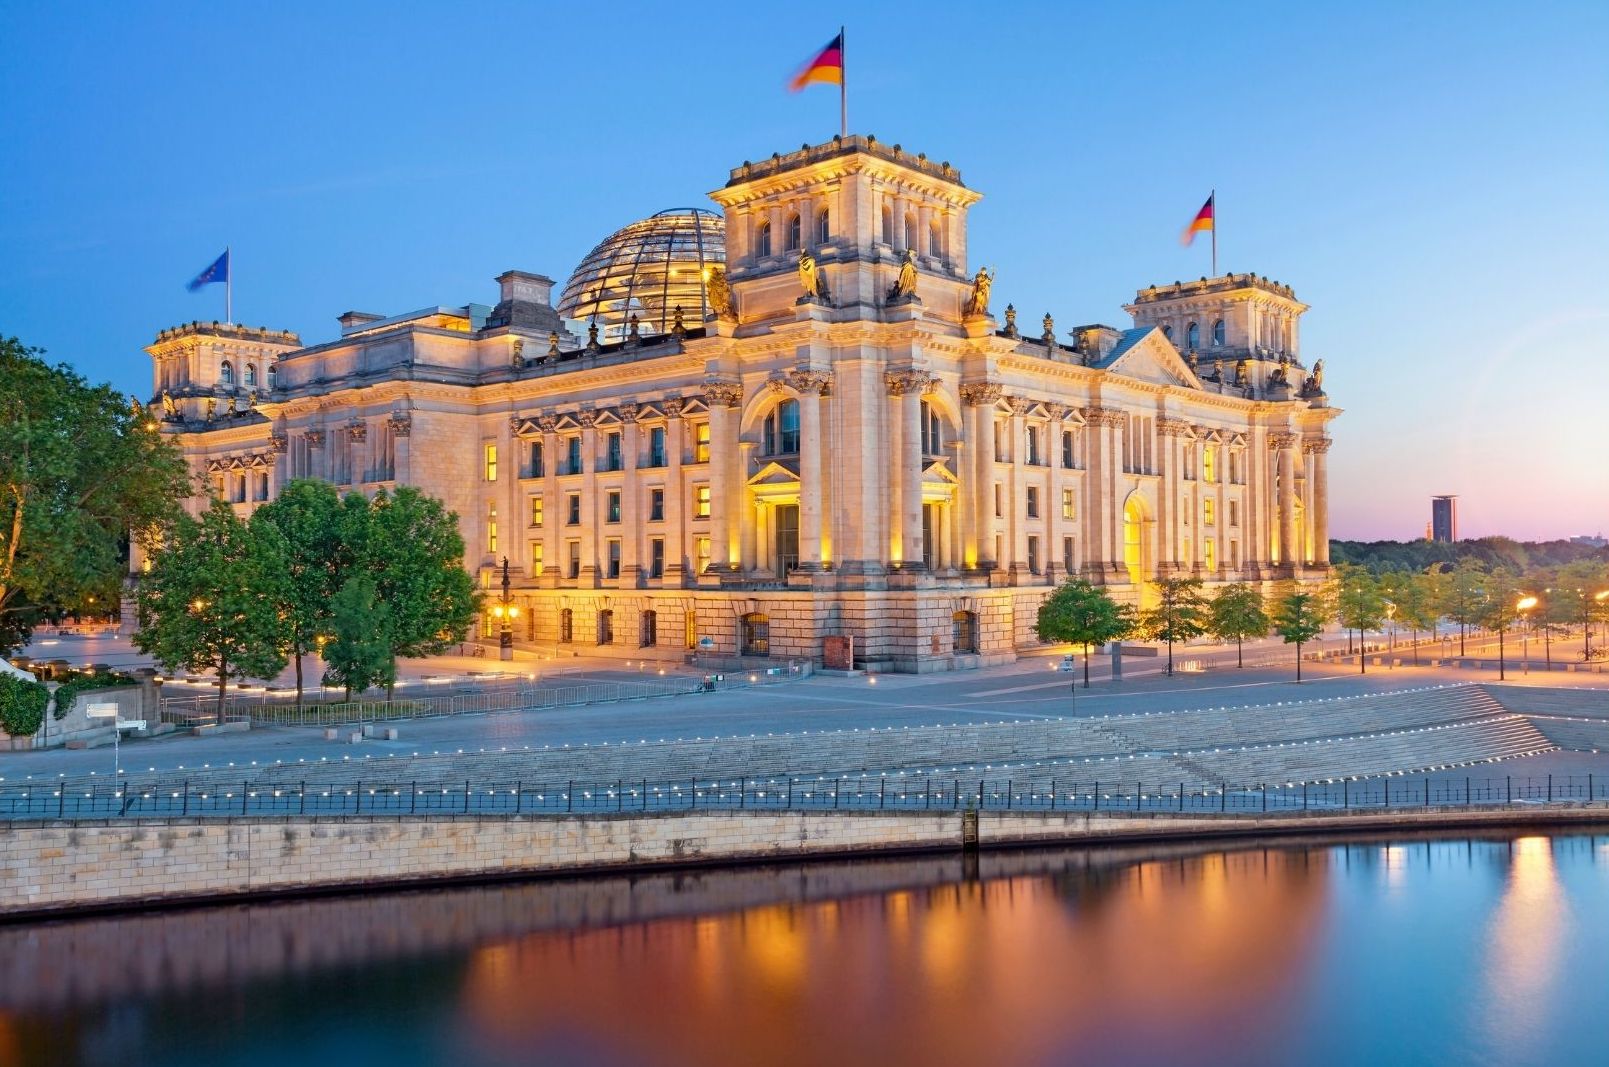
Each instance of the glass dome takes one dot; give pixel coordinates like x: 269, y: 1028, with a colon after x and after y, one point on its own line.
x: 648, y: 269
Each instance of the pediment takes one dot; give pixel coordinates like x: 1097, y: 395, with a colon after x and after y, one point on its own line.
x: 775, y: 472
x: 938, y: 472
x: 1152, y: 358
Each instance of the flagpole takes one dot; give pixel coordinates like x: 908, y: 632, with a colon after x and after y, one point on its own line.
x: 1214, y: 198
x: 229, y: 287
x: 843, y: 84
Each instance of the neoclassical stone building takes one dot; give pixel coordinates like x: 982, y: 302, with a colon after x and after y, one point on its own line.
x: 833, y: 435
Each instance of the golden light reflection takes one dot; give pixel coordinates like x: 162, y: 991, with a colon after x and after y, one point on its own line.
x: 1524, y: 948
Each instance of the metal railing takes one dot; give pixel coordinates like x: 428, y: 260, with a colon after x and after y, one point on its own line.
x: 170, y: 798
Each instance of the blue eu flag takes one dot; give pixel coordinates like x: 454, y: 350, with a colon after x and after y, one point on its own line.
x: 218, y: 272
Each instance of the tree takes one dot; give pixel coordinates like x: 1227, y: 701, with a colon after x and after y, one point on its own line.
x: 309, y: 515
x: 1500, y: 609
x: 1359, y: 604
x: 1179, y: 614
x: 409, y: 544
x: 210, y: 602
x: 81, y: 468
x: 1464, y: 597
x: 1299, y: 616
x: 1415, y: 600
x: 1238, y: 613
x: 358, y: 656
x: 1583, y: 591
x: 1079, y: 613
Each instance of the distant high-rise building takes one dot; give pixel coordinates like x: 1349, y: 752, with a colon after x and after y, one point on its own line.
x: 1444, y: 518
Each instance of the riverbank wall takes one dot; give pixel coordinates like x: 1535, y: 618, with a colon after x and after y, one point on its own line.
x: 56, y: 867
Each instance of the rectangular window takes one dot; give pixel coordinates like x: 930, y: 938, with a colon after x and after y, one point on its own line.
x: 1234, y: 513
x: 612, y: 442
x: 701, y: 442
x: 613, y: 505
x: 1033, y: 555
x: 572, y: 504
x: 1209, y: 512
x: 536, y: 511
x: 262, y: 487
x: 572, y: 570
x: 656, y: 447
x: 614, y: 558
x: 1069, y: 504
x: 701, y: 501
x: 1067, y: 555
x: 1067, y: 449
x: 656, y: 505
x: 491, y: 528
x: 1210, y: 547
x: 491, y: 463
x: 1000, y: 438
x: 701, y: 555
x: 1234, y: 554
x: 536, y: 557
x: 1033, y: 446
x: 572, y: 459
x: 1033, y: 502
x: 1209, y: 464
x: 998, y: 512
x: 538, y: 460
x: 656, y: 557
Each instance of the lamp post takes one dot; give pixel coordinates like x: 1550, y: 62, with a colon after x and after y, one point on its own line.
x: 1523, y: 607
x: 505, y: 612
x: 1597, y: 598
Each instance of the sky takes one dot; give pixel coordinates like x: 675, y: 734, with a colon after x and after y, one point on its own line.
x: 1432, y: 178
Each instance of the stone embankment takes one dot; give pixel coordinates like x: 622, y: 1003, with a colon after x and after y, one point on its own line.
x: 74, y: 867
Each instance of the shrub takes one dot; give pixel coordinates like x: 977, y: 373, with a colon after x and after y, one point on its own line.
x: 22, y: 705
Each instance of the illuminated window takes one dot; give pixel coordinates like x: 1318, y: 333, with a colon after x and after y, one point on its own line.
x: 1069, y: 504
x: 491, y: 528
x: 1209, y: 464
x: 491, y: 463
x: 795, y: 232
x: 1210, y: 548
x: 823, y: 227
x: 536, y: 511
x: 656, y: 505
x: 536, y: 557
x: 1209, y: 512
x: 701, y: 555
x: 1218, y: 333
x: 612, y: 506
x: 701, y: 442
x: 1192, y: 336
x: 226, y: 373
x: 762, y: 240
x: 701, y: 501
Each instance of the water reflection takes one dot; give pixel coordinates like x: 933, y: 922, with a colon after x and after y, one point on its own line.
x: 1161, y: 955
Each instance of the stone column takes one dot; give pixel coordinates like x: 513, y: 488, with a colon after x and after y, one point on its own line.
x: 1318, y: 480
x: 630, y: 505
x: 675, y: 492
x: 1055, y: 530
x: 1286, y: 445
x: 913, y: 549
x: 590, y: 520
x: 1101, y: 473
x: 317, y: 454
x: 742, y: 520
x: 723, y: 398
x: 957, y: 519
x: 401, y: 429
x: 1172, y: 432
x: 980, y: 398
x: 809, y: 385
x: 552, y: 505
x: 1016, y: 495
x: 278, y: 445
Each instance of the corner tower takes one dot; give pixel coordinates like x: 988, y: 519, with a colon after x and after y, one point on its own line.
x: 857, y: 206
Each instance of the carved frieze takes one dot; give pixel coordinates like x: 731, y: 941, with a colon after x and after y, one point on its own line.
x: 810, y: 381
x: 401, y: 423
x: 315, y: 438
x: 726, y: 394
x: 976, y: 393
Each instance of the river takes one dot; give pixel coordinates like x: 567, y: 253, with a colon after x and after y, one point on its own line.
x: 1489, y: 949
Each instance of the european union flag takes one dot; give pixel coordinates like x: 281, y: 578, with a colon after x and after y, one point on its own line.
x: 218, y: 272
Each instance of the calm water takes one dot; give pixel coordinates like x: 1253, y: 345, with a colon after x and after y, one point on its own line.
x: 1491, y: 950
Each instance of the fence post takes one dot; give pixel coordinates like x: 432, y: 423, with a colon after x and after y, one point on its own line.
x: 1265, y: 796
x: 569, y: 796
x: 743, y: 793
x: 1304, y: 796
x: 645, y: 794
x: 466, y: 796
x: 1139, y: 788
x: 1097, y: 795
x: 413, y: 797
x: 1550, y: 789
x: 1053, y: 794
x: 243, y: 797
x: 185, y: 810
x: 1427, y: 790
x: 1008, y: 794
x: 304, y: 797
x: 1467, y: 801
x: 620, y: 794
x: 1346, y: 798
x: 980, y: 794
x: 1181, y: 796
x: 360, y: 799
x: 835, y: 784
x: 1509, y: 790
x: 1589, y: 789
x: 790, y: 794
x: 1223, y: 796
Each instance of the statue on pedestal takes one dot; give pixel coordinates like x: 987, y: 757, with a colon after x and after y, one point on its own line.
x: 719, y: 294
x: 904, y: 287
x: 982, y: 283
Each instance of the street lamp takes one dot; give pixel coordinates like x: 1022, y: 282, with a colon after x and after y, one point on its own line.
x: 505, y: 612
x: 1523, y: 607
x: 1599, y: 598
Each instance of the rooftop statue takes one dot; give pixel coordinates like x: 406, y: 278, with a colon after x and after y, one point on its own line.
x: 982, y: 283
x: 810, y: 277
x: 905, y: 282
x: 719, y: 294
x: 169, y: 408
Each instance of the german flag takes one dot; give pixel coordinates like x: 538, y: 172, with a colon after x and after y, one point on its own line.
x: 827, y: 68
x: 1202, y: 221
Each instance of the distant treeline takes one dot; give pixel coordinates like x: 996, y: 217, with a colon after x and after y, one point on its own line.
x: 1520, y: 556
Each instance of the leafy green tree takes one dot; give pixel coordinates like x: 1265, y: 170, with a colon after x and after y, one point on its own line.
x: 81, y: 468
x: 1465, y: 597
x: 1500, y: 608
x: 310, y: 517
x: 1237, y: 613
x: 1583, y: 591
x: 210, y: 602
x: 1416, y: 601
x: 1078, y: 613
x: 358, y: 656
x: 1180, y: 613
x: 1359, y: 604
x: 409, y: 544
x: 1299, y: 616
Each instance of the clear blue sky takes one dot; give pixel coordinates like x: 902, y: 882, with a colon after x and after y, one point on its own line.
x: 1432, y: 177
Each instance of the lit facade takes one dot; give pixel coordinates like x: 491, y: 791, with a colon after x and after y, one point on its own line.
x: 856, y: 447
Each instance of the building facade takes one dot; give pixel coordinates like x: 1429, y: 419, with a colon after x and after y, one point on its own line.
x: 1444, y: 518
x: 841, y: 440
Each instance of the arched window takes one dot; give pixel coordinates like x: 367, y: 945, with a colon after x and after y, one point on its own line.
x: 935, y: 240
x: 1167, y: 331
x: 932, y: 431
x: 273, y: 377
x: 251, y: 376
x: 606, y: 627
x: 888, y: 226
x: 755, y: 634
x: 964, y: 631
x: 566, y: 625
x: 782, y: 429
x: 1192, y: 336
x: 648, y: 631
x: 226, y: 373
x: 1134, y: 541
x: 795, y: 232
x: 823, y: 227
x: 1218, y: 333
x: 762, y: 240
x: 910, y: 233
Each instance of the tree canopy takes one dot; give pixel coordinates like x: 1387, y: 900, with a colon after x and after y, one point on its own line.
x: 1079, y: 613
x: 1236, y: 613
x: 81, y: 468
x: 310, y: 517
x: 1179, y: 613
x: 1298, y: 617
